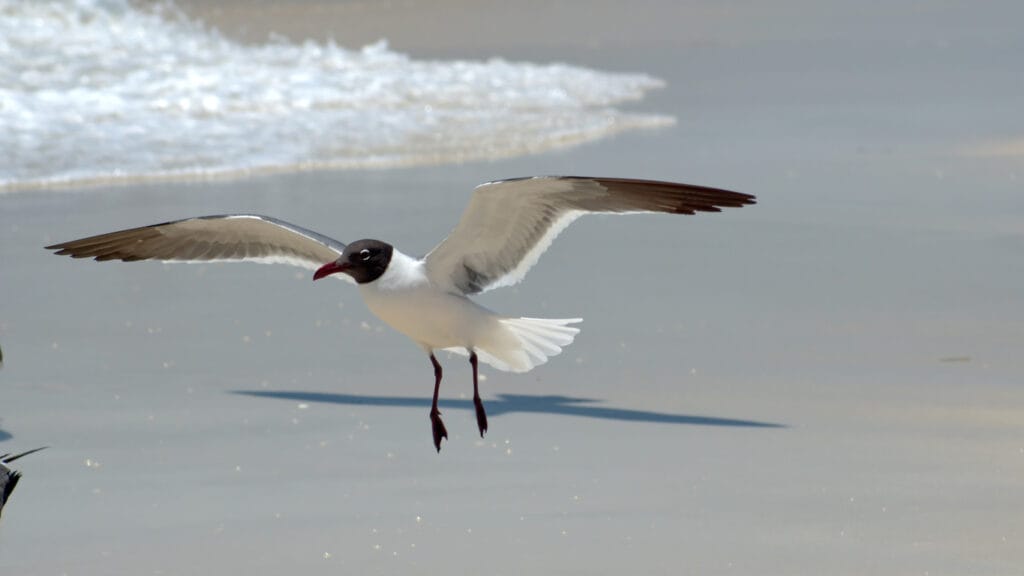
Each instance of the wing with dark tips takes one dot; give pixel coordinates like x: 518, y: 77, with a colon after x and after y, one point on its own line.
x: 9, y: 478
x: 508, y: 224
x: 221, y: 238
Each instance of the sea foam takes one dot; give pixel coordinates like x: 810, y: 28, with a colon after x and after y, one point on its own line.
x: 102, y: 90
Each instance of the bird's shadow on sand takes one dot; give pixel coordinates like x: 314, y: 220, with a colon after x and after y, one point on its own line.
x: 517, y: 403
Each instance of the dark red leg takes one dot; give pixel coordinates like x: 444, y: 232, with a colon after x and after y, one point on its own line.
x: 481, y: 416
x: 435, y: 414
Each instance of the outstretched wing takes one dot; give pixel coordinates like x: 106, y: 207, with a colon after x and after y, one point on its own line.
x: 508, y: 224
x: 221, y: 238
x: 8, y: 458
x: 9, y: 478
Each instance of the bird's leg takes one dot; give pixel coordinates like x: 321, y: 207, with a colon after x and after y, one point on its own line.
x: 481, y: 416
x: 435, y: 414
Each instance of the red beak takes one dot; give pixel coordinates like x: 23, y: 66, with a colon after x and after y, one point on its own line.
x: 330, y: 268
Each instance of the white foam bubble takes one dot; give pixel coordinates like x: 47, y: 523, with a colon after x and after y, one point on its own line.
x: 100, y: 90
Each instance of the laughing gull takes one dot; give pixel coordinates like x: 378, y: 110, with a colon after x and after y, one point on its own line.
x: 504, y: 230
x: 9, y: 478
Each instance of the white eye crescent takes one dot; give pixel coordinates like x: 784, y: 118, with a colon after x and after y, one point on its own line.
x: 364, y: 254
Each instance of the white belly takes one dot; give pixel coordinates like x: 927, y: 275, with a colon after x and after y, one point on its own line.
x: 404, y: 298
x: 431, y: 318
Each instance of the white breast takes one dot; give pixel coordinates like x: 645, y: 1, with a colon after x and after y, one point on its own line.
x: 406, y: 300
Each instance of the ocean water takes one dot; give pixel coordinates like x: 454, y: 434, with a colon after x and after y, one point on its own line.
x: 95, y: 91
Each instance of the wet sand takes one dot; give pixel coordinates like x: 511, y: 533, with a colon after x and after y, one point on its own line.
x: 826, y: 383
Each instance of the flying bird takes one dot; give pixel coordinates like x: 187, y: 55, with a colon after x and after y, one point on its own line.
x: 504, y: 230
x: 9, y: 478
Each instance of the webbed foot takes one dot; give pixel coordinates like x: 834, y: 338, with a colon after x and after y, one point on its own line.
x: 438, y: 427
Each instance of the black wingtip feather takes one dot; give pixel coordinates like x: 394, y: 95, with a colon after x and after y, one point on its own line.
x: 6, y: 458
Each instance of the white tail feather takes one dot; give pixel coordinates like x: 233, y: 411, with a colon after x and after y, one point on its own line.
x: 533, y: 341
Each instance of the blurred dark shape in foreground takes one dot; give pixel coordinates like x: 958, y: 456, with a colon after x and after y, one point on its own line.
x: 9, y: 478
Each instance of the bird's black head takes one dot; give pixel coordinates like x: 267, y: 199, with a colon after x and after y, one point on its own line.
x: 363, y: 260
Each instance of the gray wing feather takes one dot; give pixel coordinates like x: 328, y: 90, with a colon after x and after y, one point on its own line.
x: 220, y: 238
x: 508, y: 224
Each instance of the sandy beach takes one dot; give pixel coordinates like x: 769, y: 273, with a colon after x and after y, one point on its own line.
x: 829, y: 382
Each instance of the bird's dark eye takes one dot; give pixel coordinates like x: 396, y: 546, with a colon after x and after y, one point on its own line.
x: 364, y: 254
